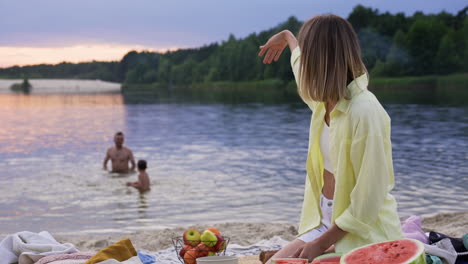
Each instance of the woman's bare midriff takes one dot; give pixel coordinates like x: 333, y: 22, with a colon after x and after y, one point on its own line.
x: 328, y: 185
x: 328, y: 189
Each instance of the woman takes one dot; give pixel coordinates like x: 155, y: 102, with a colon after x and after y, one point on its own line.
x: 347, y: 200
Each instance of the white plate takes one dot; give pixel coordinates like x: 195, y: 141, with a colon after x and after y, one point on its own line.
x: 218, y: 260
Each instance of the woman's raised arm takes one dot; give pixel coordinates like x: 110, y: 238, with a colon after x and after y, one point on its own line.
x: 276, y: 44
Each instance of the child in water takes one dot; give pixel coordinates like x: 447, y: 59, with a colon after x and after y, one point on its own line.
x: 143, y: 183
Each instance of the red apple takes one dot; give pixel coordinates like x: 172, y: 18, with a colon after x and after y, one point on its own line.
x: 190, y: 256
x: 191, y: 237
x: 214, y: 230
x: 184, y: 249
x: 203, y: 250
x: 220, y: 245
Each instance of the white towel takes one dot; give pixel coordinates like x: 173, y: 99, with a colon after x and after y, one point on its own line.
x: 28, y: 247
x: 132, y: 260
x: 442, y: 249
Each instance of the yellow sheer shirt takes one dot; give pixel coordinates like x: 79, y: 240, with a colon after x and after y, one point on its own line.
x: 361, y: 157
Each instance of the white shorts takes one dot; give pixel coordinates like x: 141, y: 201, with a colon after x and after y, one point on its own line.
x: 326, y: 206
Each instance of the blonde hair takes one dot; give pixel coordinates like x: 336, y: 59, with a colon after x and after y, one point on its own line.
x: 331, y: 58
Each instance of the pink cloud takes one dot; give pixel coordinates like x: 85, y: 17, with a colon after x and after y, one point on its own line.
x: 10, y: 56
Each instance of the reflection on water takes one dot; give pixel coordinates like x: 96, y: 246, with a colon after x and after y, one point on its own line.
x: 208, y: 163
x: 59, y: 122
x: 53, y: 100
x: 142, y: 206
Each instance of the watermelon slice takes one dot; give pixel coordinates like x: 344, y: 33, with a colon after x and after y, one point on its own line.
x: 405, y: 251
x: 331, y: 258
x: 289, y: 261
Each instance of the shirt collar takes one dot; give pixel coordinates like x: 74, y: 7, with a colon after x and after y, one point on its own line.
x: 355, y: 87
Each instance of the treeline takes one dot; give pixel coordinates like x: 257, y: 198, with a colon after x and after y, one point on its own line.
x: 64, y: 70
x: 395, y: 45
x: 392, y: 45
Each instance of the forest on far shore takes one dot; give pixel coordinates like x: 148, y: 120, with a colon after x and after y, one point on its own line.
x: 393, y: 45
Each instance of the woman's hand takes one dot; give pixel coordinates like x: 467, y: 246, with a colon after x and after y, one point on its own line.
x: 321, y: 245
x: 309, y: 251
x: 276, y: 44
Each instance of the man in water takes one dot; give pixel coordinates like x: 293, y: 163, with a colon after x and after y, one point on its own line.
x: 119, y: 155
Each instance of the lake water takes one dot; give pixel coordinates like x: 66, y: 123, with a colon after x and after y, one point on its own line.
x: 208, y: 163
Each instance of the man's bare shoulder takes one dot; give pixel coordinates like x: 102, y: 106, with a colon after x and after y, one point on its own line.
x: 111, y: 151
x: 127, y: 149
x: 111, y: 148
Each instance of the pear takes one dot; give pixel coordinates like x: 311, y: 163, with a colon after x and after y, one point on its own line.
x: 209, y: 238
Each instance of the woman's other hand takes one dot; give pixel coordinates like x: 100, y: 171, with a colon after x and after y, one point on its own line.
x: 309, y: 251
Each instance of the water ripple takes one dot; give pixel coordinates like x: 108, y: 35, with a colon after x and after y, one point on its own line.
x: 207, y: 163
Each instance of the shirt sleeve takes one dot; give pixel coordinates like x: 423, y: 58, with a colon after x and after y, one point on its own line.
x: 373, y: 170
x: 295, y: 65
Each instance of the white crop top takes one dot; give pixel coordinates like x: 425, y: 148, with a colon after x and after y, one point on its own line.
x: 325, y: 147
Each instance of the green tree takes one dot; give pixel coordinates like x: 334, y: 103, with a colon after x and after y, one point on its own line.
x: 423, y: 43
x: 398, y: 60
x: 163, y: 72
x: 374, y: 46
x: 392, y: 45
x: 183, y: 73
x: 150, y: 76
x: 135, y: 74
x: 379, y: 69
x: 460, y: 18
x: 128, y: 61
x: 449, y: 58
x: 362, y: 17
x: 464, y: 48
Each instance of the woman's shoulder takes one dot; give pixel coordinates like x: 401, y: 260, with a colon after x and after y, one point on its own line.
x: 363, y: 103
x: 365, y: 108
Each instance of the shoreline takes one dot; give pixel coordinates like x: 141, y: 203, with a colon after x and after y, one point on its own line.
x: 452, y: 223
x: 427, y: 89
x: 63, y: 86
x: 247, y: 240
x: 243, y: 234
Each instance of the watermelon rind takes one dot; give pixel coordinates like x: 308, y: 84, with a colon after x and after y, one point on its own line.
x: 418, y: 258
x: 329, y: 255
x: 288, y: 259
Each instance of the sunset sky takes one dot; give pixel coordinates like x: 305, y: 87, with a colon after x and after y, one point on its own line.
x: 51, y: 31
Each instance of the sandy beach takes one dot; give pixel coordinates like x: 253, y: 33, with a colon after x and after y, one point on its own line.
x: 453, y: 224
x: 155, y: 240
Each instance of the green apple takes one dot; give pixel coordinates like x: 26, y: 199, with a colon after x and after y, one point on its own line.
x: 209, y: 238
x: 191, y: 237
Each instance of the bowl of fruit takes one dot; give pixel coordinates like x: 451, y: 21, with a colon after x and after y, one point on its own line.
x: 194, y: 244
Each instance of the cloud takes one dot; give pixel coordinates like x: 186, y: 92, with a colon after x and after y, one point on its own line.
x: 167, y: 23
x: 76, y: 53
